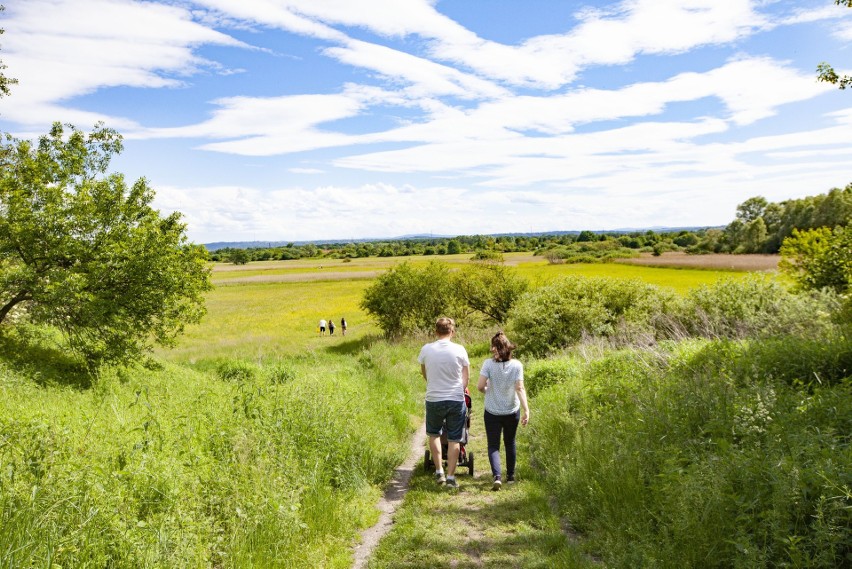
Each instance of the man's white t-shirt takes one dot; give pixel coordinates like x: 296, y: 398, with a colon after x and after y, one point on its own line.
x: 444, y: 361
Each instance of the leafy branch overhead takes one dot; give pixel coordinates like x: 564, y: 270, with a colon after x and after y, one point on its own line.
x: 86, y: 253
x: 826, y: 72
x: 5, y: 82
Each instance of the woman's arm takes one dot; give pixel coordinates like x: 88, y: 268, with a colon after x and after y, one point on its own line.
x: 483, y: 382
x: 522, y: 395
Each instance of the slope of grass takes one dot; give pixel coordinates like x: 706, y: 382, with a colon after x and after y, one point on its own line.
x: 271, y: 464
x: 704, y: 454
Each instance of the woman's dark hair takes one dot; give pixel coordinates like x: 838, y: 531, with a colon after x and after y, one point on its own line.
x: 503, y: 346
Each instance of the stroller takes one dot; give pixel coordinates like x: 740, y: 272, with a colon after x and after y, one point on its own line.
x: 465, y: 458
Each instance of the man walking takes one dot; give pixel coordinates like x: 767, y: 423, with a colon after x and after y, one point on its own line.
x: 446, y: 369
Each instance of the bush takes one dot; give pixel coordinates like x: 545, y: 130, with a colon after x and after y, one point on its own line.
x: 279, y: 372
x: 561, y: 313
x: 236, y: 370
x: 542, y: 374
x: 755, y: 306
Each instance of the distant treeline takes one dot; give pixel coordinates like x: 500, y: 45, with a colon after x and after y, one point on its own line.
x: 760, y: 227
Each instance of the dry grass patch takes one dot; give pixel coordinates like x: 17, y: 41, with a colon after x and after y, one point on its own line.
x: 673, y: 259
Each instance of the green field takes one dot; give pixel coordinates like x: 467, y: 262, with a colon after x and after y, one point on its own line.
x: 258, y: 443
x: 254, y: 320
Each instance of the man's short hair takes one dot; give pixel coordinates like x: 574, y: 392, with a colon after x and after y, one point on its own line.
x: 444, y: 326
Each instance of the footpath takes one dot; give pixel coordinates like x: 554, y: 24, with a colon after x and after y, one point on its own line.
x: 426, y: 525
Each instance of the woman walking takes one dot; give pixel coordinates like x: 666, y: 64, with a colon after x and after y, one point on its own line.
x: 502, y: 381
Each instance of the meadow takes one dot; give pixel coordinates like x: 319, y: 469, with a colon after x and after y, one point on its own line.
x: 258, y: 442
x: 256, y: 320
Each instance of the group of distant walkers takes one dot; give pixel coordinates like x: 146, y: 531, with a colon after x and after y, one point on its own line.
x: 323, y: 326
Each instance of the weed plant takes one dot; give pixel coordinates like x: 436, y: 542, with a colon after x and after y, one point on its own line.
x: 704, y: 453
x: 254, y: 464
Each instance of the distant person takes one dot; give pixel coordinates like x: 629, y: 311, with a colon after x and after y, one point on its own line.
x: 446, y: 369
x: 502, y: 381
x: 343, y: 326
x: 331, y: 327
x: 322, y: 327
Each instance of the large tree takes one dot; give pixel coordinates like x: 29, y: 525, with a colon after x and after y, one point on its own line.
x: 826, y: 72
x: 82, y: 251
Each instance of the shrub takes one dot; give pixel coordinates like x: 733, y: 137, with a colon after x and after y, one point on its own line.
x: 559, y: 314
x: 542, y: 374
x: 236, y: 370
x: 488, y: 256
x: 757, y: 305
x: 279, y: 372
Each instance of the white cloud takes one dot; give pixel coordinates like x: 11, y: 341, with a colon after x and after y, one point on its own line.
x: 306, y: 171
x: 428, y: 78
x: 88, y: 45
x: 617, y: 37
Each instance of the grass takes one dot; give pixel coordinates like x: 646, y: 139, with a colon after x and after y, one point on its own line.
x: 259, y: 443
x: 185, y: 468
x: 681, y: 280
x: 697, y: 455
x: 259, y: 319
x: 253, y: 321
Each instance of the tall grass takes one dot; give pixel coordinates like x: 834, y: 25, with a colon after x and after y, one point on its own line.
x: 275, y: 465
x: 704, y: 454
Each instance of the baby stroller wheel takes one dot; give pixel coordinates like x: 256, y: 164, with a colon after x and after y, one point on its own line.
x: 470, y: 463
x: 427, y: 461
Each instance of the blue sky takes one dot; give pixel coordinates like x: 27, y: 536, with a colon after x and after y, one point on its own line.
x: 342, y: 119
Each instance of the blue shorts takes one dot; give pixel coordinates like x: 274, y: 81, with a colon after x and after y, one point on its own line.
x: 453, y: 412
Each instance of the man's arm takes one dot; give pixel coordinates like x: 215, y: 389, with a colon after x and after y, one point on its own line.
x: 423, y: 371
x: 465, y: 376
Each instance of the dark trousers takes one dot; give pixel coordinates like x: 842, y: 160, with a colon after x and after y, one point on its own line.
x: 508, y: 425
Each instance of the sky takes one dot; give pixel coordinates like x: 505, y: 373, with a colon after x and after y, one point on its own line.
x: 294, y: 120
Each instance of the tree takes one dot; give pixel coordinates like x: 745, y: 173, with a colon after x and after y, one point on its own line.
x: 82, y: 251
x: 489, y: 289
x: 825, y: 72
x: 406, y: 299
x: 239, y: 257
x: 819, y: 258
x: 751, y: 209
x: 754, y: 236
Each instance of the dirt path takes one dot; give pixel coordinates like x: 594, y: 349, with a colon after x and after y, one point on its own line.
x: 434, y: 526
x: 394, y: 493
